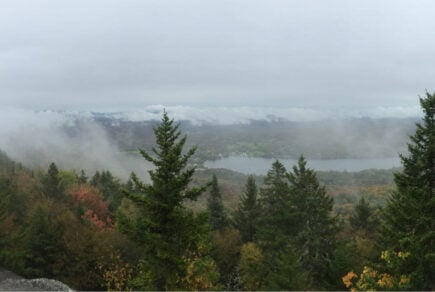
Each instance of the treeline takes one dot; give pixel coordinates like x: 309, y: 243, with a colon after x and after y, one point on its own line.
x: 98, y: 233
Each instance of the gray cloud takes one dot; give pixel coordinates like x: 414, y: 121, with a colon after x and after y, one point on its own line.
x: 112, y: 55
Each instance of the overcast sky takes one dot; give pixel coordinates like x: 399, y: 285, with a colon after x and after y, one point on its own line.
x: 121, y: 55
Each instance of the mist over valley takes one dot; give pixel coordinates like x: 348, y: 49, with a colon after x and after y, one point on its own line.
x: 105, y: 140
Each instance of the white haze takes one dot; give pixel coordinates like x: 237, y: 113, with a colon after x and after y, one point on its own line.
x: 244, y: 115
x: 38, y: 138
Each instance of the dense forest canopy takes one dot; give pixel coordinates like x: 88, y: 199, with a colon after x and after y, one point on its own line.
x: 191, y: 228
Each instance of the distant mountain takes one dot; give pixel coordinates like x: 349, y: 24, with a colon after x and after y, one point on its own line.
x: 327, y: 139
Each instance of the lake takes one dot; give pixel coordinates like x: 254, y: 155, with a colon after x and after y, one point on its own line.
x: 260, y: 166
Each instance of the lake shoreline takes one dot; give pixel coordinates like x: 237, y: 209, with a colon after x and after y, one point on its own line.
x: 258, y: 165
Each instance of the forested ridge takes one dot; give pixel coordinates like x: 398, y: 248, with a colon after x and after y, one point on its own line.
x: 349, y: 138
x: 195, y: 229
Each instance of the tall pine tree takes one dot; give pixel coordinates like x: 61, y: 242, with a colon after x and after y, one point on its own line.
x: 169, y: 233
x: 51, y: 183
x: 315, y: 238
x: 246, y: 215
x: 218, y: 219
x: 409, y: 216
x: 363, y: 218
x: 277, y: 214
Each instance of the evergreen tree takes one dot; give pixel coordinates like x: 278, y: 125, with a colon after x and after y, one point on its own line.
x: 315, y: 239
x: 95, y: 181
x: 52, y: 185
x: 247, y: 212
x: 169, y: 233
x: 82, y: 179
x: 285, y: 271
x: 110, y: 187
x: 277, y: 215
x: 218, y: 219
x: 409, y: 216
x: 277, y: 226
x: 274, y: 270
x: 363, y: 218
x: 44, y: 246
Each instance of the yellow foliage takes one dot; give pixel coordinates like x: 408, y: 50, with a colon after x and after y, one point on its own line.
x: 201, y: 273
x: 116, y: 274
x: 371, y: 280
x: 404, y: 280
x: 251, y: 259
x: 386, y: 281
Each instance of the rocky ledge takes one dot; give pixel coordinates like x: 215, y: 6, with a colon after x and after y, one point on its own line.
x: 12, y: 282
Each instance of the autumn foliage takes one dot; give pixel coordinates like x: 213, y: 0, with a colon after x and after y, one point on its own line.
x: 91, y: 203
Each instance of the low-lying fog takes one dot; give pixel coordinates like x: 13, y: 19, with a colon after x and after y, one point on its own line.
x: 76, y: 140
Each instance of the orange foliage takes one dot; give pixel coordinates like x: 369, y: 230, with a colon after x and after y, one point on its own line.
x: 348, y: 279
x: 96, y: 209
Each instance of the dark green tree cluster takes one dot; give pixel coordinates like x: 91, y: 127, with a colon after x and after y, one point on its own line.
x: 292, y: 229
x: 410, y: 214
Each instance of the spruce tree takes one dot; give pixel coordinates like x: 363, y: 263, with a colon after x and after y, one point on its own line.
x: 316, y: 227
x: 82, y: 178
x: 277, y: 214
x: 409, y: 216
x: 246, y: 215
x: 218, y: 220
x: 43, y: 244
x: 363, y: 218
x: 52, y: 186
x: 276, y: 230
x: 110, y: 187
x: 168, y: 232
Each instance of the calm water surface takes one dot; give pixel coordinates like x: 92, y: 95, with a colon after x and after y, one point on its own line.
x: 255, y: 165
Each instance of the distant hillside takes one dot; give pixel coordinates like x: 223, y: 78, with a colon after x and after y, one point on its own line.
x: 329, y: 139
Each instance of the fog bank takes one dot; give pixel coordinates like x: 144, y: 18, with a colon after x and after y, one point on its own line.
x: 244, y: 115
x: 70, y: 140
